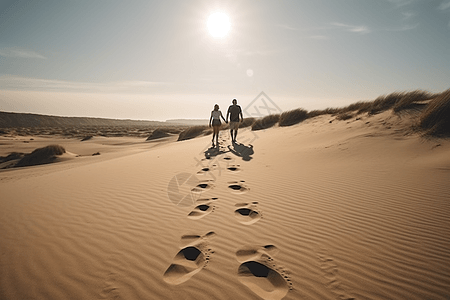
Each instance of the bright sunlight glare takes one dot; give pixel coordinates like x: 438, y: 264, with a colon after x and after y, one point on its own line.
x: 218, y: 24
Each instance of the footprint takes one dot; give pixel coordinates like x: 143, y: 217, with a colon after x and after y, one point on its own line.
x: 204, y: 207
x: 261, y: 274
x: 203, y: 186
x: 247, y: 213
x: 238, y: 186
x: 234, y: 168
x: 189, y: 260
x: 207, y: 169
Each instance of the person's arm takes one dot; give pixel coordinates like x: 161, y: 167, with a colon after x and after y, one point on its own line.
x: 228, y: 113
x: 242, y: 117
x: 210, y: 119
x: 223, y: 118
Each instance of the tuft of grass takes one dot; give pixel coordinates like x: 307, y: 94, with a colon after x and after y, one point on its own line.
x: 86, y: 138
x: 247, y: 122
x: 292, y: 117
x: 344, y: 116
x: 327, y: 111
x: 435, y: 119
x: 41, y: 156
x: 193, y: 132
x: 409, y: 100
x: 266, y: 122
x: 157, y: 134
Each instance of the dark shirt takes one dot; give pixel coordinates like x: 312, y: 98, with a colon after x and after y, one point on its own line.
x: 234, y: 111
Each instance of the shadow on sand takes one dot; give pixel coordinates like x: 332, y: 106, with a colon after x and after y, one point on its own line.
x: 242, y: 150
x: 214, y: 151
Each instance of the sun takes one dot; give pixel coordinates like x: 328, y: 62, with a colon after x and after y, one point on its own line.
x: 218, y: 24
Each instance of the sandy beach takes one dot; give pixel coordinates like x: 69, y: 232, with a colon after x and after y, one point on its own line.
x: 325, y: 209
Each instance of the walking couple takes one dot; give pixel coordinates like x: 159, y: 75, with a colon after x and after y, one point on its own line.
x: 235, y: 114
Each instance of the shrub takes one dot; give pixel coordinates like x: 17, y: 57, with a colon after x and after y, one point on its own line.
x: 193, y: 132
x: 157, y: 134
x: 41, y: 156
x: 293, y: 117
x: 266, y: 122
x: 436, y: 117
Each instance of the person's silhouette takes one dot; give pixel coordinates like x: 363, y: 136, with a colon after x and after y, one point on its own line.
x: 215, y: 122
x: 234, y: 112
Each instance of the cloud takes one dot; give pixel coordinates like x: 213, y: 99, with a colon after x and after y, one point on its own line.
x: 407, y: 15
x: 444, y: 5
x: 11, y: 82
x: 352, y: 28
x: 20, y: 52
x: 400, y: 3
x: 285, y: 26
x: 404, y: 28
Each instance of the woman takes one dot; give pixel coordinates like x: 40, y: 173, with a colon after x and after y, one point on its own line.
x: 215, y: 120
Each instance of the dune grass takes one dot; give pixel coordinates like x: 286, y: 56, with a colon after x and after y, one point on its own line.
x: 41, y: 156
x: 410, y: 99
x: 158, y: 133
x: 293, y: 117
x: 265, y: 122
x: 435, y: 119
x: 193, y: 132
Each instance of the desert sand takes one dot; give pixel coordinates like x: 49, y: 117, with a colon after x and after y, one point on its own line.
x: 354, y: 209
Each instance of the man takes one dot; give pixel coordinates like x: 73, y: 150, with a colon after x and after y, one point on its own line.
x: 234, y: 111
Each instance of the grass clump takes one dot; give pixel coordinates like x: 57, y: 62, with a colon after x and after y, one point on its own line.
x: 435, y: 119
x: 193, y: 132
x: 157, y: 134
x: 293, y: 117
x: 266, y: 122
x: 40, y: 156
x: 410, y: 99
x: 344, y: 116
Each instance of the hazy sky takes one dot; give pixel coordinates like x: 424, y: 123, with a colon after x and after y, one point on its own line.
x: 156, y: 60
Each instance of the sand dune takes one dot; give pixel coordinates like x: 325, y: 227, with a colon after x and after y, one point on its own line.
x: 354, y: 209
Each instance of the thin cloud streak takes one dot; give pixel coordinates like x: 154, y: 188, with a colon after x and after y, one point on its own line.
x: 352, y: 28
x: 10, y: 82
x: 444, y: 5
x: 20, y: 53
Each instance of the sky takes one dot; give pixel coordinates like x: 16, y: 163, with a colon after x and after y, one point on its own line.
x: 157, y: 60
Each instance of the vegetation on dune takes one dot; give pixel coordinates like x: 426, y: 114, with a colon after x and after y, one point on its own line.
x: 293, y: 117
x: 41, y: 156
x: 411, y: 99
x: 265, y: 122
x: 158, y: 133
x: 193, y: 132
x: 435, y: 119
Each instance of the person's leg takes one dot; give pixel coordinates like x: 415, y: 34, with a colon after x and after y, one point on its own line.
x: 231, y: 134
x: 217, y: 136
x: 235, y: 134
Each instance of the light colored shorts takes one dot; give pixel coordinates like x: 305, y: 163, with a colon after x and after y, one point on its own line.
x: 234, y: 125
